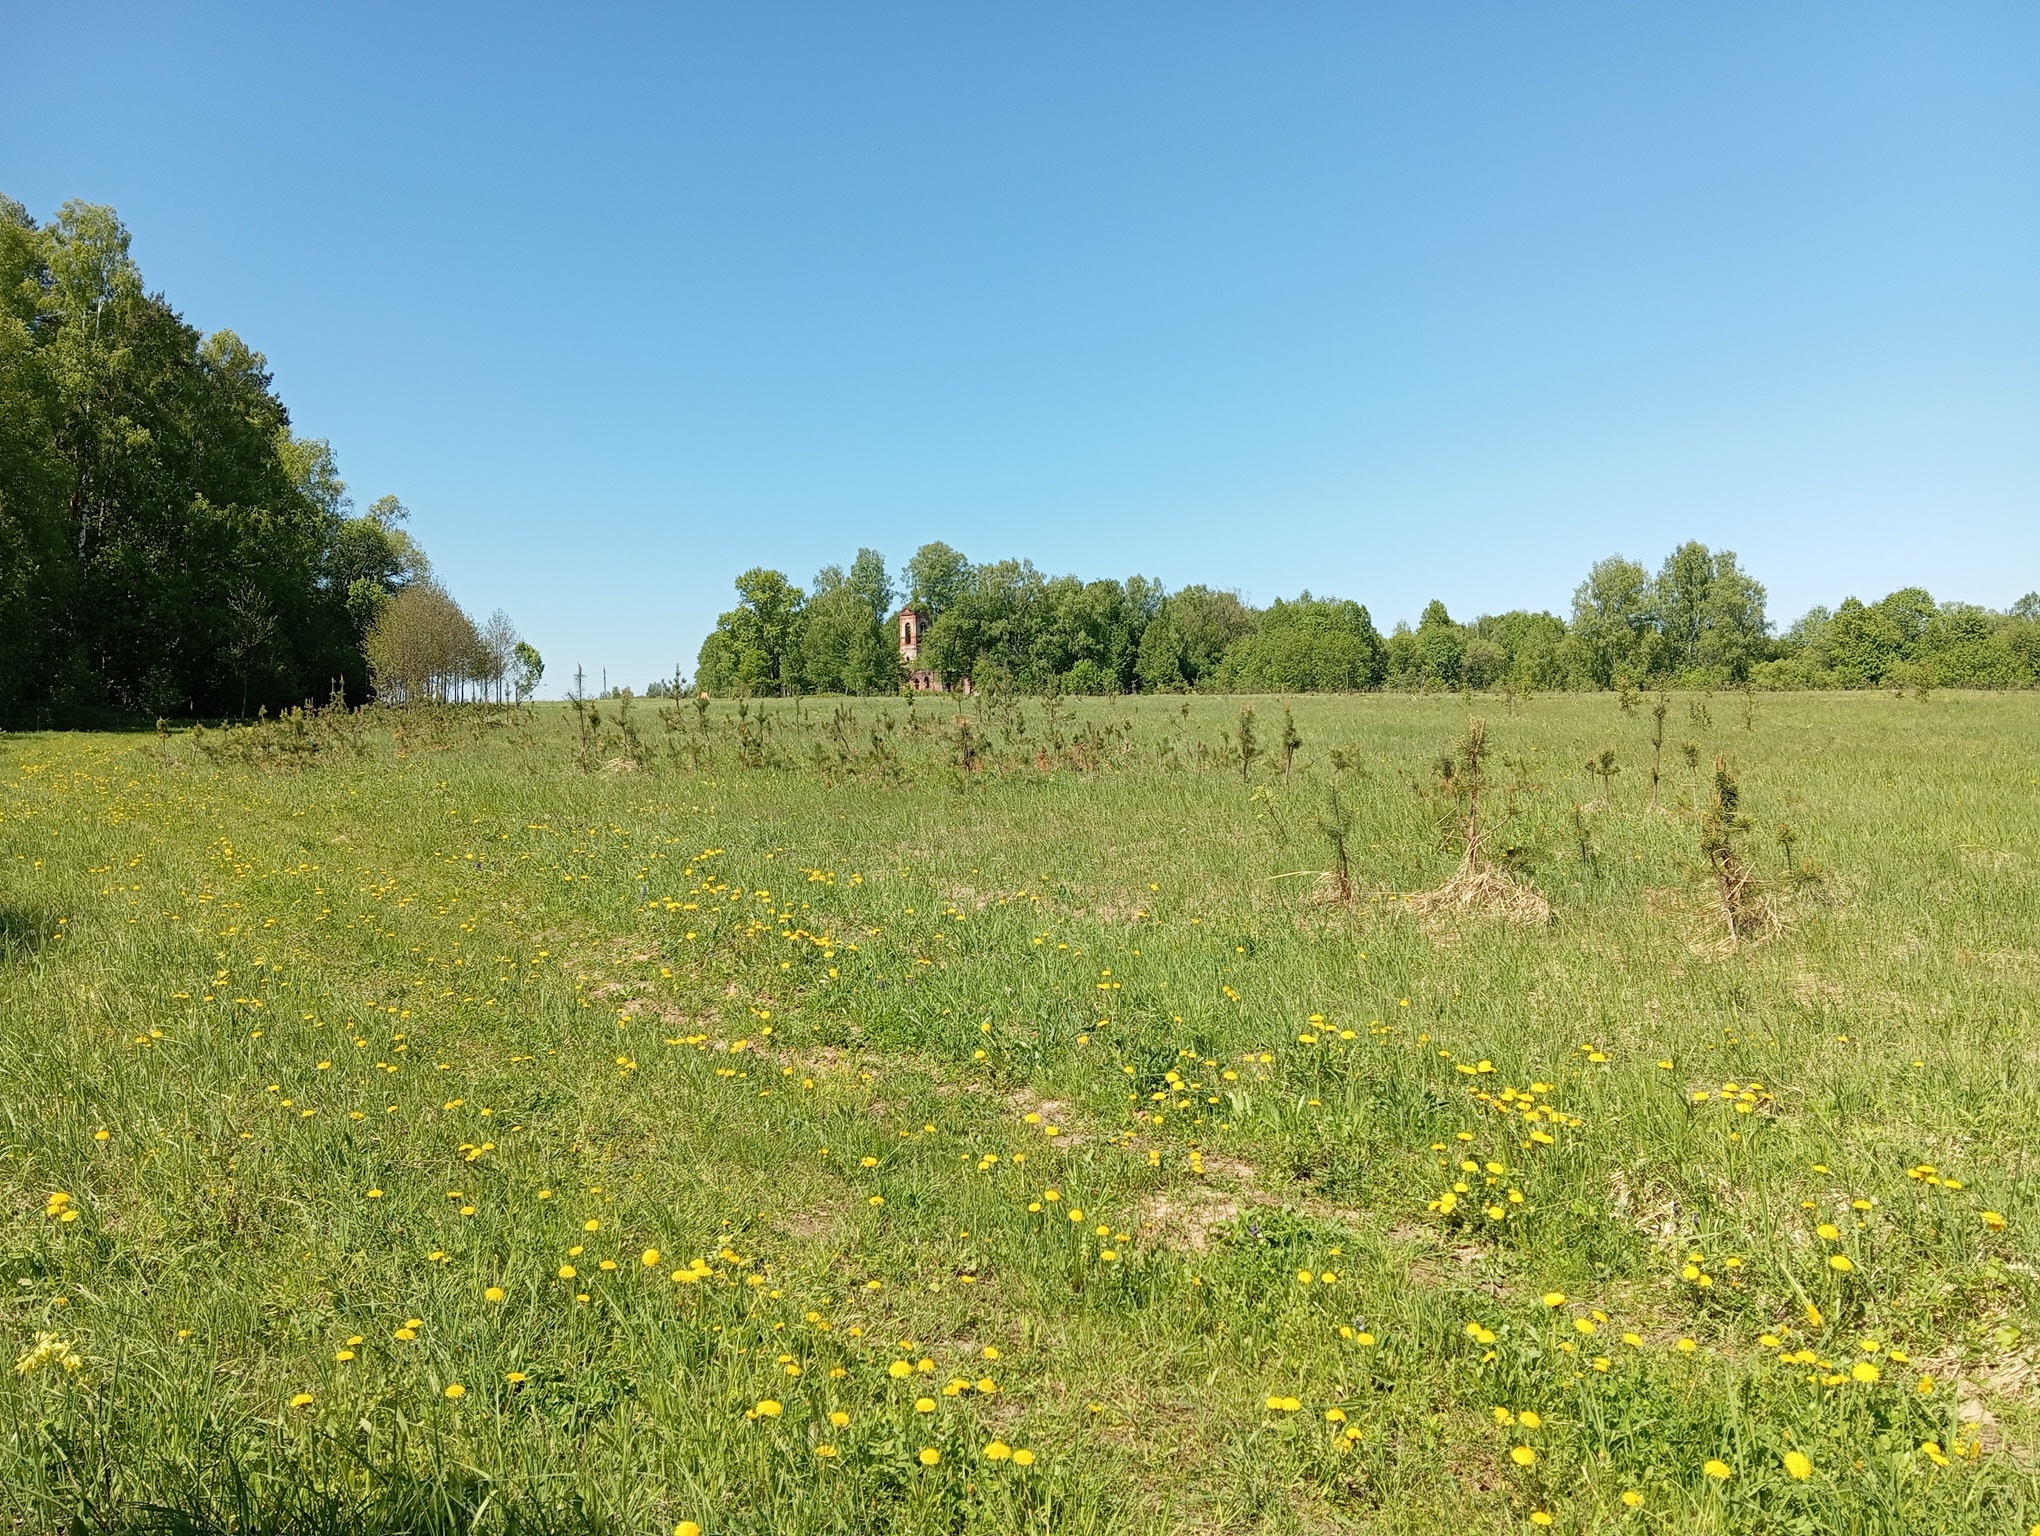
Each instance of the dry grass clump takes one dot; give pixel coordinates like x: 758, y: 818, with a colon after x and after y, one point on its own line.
x: 1480, y: 890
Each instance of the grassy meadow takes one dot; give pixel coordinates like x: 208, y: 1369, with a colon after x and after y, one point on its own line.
x: 883, y: 1118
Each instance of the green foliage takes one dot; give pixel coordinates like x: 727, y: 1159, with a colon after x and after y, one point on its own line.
x: 1186, y: 642
x: 167, y: 545
x: 1310, y: 645
x: 1906, y: 639
x: 755, y: 649
x: 1006, y: 627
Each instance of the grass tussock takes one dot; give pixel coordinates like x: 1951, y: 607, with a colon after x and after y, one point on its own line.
x: 1478, y: 891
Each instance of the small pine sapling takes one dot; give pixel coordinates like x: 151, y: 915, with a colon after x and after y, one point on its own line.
x: 966, y: 745
x: 1337, y: 825
x: 1290, y: 742
x: 1478, y: 888
x: 1724, y: 823
x: 1604, y: 767
x: 1659, y: 708
x: 1243, y: 741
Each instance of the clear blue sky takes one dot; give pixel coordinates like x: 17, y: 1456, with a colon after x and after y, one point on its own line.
x: 1395, y: 302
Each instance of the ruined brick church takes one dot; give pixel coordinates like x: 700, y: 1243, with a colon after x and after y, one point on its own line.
x: 912, y: 622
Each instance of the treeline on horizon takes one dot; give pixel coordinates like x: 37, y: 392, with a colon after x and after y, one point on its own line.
x: 1698, y: 621
x: 168, y: 545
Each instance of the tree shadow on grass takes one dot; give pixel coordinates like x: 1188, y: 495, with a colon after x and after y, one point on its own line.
x: 24, y: 931
x: 435, y: 1508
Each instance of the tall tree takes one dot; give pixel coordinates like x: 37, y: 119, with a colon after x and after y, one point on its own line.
x: 1612, y: 624
x: 937, y: 578
x: 755, y: 647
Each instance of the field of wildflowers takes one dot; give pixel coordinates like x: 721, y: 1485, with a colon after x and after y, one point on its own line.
x: 868, y: 1117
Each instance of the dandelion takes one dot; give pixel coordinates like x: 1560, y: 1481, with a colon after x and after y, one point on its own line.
x: 838, y: 1419
x: 1631, y: 1497
x: 687, y: 1528
x: 929, y: 1456
x: 1540, y: 1517
x: 998, y: 1450
x: 1023, y: 1458
x: 301, y: 1400
x: 1718, y: 1469
x: 1798, y: 1465
x: 456, y: 1391
x: 1523, y: 1456
x: 1993, y: 1219
x: 1529, y: 1418
x: 493, y: 1293
x: 1553, y: 1298
x: 1864, y: 1372
x: 1840, y: 1263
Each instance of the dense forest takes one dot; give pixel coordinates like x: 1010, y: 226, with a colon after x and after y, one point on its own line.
x: 168, y: 545
x: 1698, y: 621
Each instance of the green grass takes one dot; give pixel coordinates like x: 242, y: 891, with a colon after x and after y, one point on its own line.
x: 325, y: 1031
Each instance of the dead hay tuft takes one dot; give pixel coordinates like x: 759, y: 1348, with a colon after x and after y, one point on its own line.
x: 1482, y: 891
